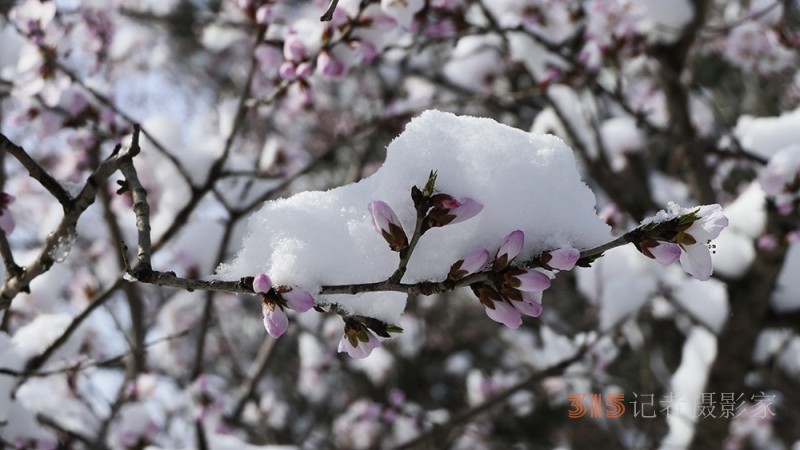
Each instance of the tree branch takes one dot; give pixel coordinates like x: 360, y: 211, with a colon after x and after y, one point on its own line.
x: 36, y: 171
x: 58, y: 242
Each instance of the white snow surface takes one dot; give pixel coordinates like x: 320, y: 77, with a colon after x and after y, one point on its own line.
x: 687, y: 384
x: 765, y: 136
x: 525, y: 181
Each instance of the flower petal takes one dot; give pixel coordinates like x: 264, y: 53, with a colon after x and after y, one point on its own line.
x: 382, y: 215
x: 467, y: 209
x: 509, y: 249
x: 298, y: 299
x: 363, y: 349
x: 531, y: 280
x: 275, y: 320
x: 530, y: 305
x: 474, y: 262
x: 504, y: 313
x: 709, y: 224
x: 562, y: 258
x: 388, y: 225
x: 262, y: 284
x: 665, y: 253
x: 696, y: 261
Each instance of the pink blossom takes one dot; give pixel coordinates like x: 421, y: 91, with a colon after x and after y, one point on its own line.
x: 402, y: 11
x: 329, y: 66
x: 767, y: 242
x: 7, y: 223
x: 509, y: 249
x: 264, y: 14
x: 366, y: 50
x: 530, y: 304
x: 468, y: 209
x: 303, y: 70
x: 527, y: 280
x: 561, y: 259
x: 358, y: 342
x: 388, y: 225
x: 781, y: 176
x: 275, y: 320
x: 34, y: 15
x: 474, y: 262
x: 294, y: 49
x: 502, y: 312
x: 262, y: 284
x: 696, y: 240
x: 664, y: 253
x: 287, y: 70
x: 448, y: 210
x: 298, y: 299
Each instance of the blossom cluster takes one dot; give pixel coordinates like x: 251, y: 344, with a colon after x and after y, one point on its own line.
x: 512, y: 291
x: 509, y: 290
x: 507, y: 286
x: 684, y: 234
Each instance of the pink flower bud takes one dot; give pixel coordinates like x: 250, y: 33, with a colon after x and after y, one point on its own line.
x: 447, y: 210
x: 388, y: 225
x: 262, y: 284
x: 467, y: 209
x: 474, y: 262
x: 264, y: 14
x: 767, y: 242
x: 527, y: 280
x: 329, y: 66
x: 358, y: 342
x: 561, y: 259
x: 504, y: 313
x: 287, y: 70
x: 366, y: 50
x: 275, y: 320
x: 303, y: 70
x: 530, y: 304
x: 294, y: 49
x: 298, y: 299
x: 509, y: 249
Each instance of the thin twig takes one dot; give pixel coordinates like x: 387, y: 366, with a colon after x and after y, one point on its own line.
x: 60, y: 239
x: 255, y: 373
x: 328, y: 15
x: 405, y: 255
x: 51, y: 423
x: 37, y: 361
x: 86, y: 364
x: 36, y: 171
x: 496, y: 400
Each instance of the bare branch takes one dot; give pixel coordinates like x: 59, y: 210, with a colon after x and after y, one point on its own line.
x: 499, y: 399
x: 328, y: 15
x: 257, y: 369
x: 36, y: 171
x: 60, y: 239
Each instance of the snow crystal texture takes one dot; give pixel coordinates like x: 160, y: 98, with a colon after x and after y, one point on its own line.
x: 525, y: 181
